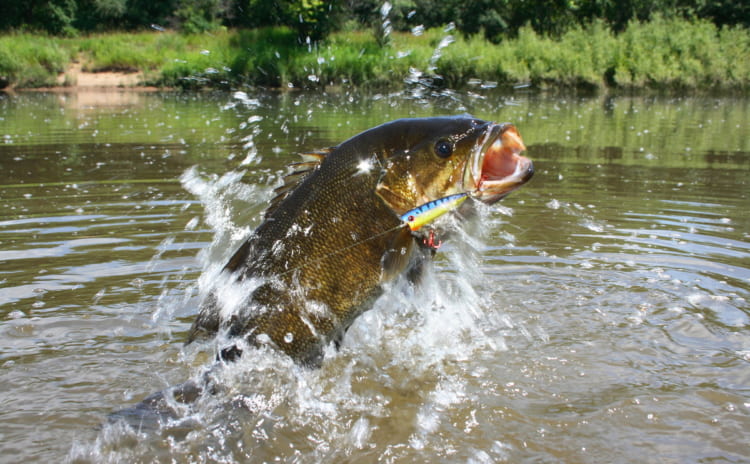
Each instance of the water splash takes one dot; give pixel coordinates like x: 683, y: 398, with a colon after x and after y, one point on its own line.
x: 231, y: 209
x: 438, y: 52
x: 428, y: 86
x: 264, y: 407
x: 384, y: 28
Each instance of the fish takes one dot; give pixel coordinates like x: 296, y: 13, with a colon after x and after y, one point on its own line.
x: 348, y: 220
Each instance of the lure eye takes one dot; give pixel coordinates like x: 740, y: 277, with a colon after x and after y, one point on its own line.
x: 443, y: 148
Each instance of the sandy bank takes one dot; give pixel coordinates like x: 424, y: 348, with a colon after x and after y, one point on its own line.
x: 74, y: 77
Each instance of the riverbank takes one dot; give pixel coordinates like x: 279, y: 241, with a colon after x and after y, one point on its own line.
x: 662, y: 54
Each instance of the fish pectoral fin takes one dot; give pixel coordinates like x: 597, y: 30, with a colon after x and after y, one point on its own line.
x: 419, y: 267
x: 398, y: 254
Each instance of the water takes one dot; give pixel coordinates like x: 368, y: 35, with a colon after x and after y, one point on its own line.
x: 599, y: 314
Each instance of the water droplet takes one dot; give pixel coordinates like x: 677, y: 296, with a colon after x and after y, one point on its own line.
x: 553, y: 204
x: 17, y: 314
x: 99, y: 295
x: 289, y: 337
x: 385, y: 9
x: 192, y: 224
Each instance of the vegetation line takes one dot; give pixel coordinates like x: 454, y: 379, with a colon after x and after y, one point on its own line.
x: 670, y: 53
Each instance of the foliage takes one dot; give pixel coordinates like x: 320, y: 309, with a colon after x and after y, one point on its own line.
x: 53, y: 16
x: 315, y: 19
x: 199, y: 15
x: 30, y: 60
x: 662, y: 53
x: 312, y: 20
x: 676, y: 53
x: 100, y: 14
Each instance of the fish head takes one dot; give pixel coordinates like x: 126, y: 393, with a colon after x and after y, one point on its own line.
x: 436, y: 157
x: 496, y: 167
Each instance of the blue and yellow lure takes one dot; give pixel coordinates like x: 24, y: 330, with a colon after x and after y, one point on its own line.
x: 428, y: 212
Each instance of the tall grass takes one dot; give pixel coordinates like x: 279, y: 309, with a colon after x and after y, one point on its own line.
x: 677, y: 53
x: 28, y: 60
x: 663, y: 53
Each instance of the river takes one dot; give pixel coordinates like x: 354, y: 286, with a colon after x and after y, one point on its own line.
x: 598, y: 314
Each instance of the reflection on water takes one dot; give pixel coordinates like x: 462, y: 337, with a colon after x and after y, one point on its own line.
x: 599, y: 314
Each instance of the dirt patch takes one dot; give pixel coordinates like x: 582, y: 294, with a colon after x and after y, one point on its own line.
x: 76, y: 77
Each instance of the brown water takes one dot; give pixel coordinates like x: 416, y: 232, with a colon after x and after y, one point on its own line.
x: 599, y: 314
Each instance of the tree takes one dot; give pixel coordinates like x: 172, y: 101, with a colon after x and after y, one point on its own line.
x: 53, y: 16
x: 312, y: 19
x: 200, y: 15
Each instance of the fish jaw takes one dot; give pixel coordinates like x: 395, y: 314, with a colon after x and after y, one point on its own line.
x: 496, y: 167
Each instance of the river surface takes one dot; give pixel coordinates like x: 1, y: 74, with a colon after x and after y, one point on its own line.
x: 599, y: 314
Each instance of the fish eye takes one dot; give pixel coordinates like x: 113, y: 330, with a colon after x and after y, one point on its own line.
x: 443, y: 148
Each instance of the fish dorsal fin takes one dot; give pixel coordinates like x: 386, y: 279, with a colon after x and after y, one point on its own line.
x: 298, y: 172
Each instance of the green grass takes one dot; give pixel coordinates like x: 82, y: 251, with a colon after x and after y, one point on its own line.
x: 28, y: 60
x: 663, y: 53
x: 670, y: 53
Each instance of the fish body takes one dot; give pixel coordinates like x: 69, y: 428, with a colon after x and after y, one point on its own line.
x: 339, y: 229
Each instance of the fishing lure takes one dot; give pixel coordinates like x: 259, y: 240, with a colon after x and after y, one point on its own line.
x: 428, y: 212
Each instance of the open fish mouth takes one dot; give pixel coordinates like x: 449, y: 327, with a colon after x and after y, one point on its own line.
x: 496, y: 166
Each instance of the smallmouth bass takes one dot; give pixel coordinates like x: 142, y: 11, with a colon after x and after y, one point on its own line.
x: 335, y: 233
